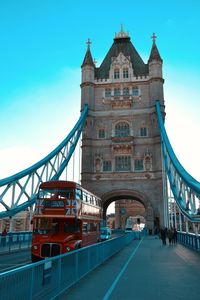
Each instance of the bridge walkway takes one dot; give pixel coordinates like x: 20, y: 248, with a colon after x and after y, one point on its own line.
x: 143, y: 270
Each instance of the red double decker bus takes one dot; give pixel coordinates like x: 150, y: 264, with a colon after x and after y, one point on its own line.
x: 67, y: 217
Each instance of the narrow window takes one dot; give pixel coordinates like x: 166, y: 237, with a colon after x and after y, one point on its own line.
x: 117, y: 92
x: 135, y: 91
x: 116, y: 73
x: 138, y: 164
x: 143, y: 131
x: 101, y: 133
x: 125, y: 91
x: 125, y: 73
x: 107, y: 166
x: 107, y: 93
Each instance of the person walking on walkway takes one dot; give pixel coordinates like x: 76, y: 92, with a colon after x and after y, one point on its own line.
x: 170, y: 235
x: 3, y: 236
x: 174, y: 239
x: 163, y: 235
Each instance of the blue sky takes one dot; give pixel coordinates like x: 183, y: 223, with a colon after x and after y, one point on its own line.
x: 42, y: 46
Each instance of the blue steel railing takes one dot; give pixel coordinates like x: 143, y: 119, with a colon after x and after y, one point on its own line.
x: 14, y: 241
x: 185, y: 189
x: 18, y: 191
x: 190, y: 240
x: 51, y: 277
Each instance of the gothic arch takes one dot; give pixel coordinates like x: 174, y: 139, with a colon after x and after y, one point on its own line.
x: 125, y: 125
x: 141, y: 197
x: 115, y: 195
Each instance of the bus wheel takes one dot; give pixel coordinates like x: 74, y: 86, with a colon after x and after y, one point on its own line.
x: 78, y: 246
x: 35, y: 258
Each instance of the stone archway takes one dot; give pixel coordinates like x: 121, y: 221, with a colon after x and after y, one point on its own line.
x: 116, y: 195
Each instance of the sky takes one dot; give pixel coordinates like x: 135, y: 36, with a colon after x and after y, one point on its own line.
x: 42, y: 46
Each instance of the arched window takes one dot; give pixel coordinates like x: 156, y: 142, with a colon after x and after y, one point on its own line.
x: 122, y: 129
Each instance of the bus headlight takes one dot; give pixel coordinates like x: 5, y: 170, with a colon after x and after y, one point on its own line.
x: 68, y: 249
x: 35, y: 247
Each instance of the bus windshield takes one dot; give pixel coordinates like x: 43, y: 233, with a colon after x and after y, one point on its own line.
x: 53, y: 225
x: 46, y: 225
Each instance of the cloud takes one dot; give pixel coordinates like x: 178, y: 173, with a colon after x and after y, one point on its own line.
x: 182, y: 125
x: 37, y: 120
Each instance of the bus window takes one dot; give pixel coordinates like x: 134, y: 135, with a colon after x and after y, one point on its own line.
x: 78, y: 194
x: 67, y: 193
x: 56, y: 193
x: 84, y: 227
x: 84, y: 197
x: 72, y: 227
x: 95, y: 227
x: 54, y: 204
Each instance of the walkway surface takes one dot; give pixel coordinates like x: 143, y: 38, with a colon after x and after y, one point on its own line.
x: 144, y: 270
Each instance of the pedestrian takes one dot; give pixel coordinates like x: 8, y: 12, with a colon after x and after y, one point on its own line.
x: 163, y: 235
x: 3, y: 237
x: 174, y: 236
x: 170, y: 235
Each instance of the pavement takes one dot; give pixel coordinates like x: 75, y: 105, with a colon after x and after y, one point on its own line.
x: 144, y: 270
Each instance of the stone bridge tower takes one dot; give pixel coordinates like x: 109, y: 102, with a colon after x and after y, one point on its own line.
x: 121, y: 149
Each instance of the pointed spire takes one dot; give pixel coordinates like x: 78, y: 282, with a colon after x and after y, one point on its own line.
x: 154, y: 37
x: 154, y: 55
x: 88, y: 56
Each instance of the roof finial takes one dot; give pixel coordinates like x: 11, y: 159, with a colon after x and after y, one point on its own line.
x: 121, y: 34
x: 154, y: 38
x: 88, y: 43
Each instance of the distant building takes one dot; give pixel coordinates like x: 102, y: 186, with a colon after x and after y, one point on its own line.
x: 20, y: 222
x: 125, y: 209
x: 110, y: 219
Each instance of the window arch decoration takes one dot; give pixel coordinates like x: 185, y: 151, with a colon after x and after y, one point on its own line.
x: 98, y: 162
x: 122, y: 129
x: 148, y: 160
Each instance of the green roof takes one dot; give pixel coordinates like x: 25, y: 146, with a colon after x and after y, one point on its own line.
x: 125, y: 46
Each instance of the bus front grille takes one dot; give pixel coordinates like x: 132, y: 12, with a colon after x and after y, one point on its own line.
x: 55, y: 249
x: 49, y: 250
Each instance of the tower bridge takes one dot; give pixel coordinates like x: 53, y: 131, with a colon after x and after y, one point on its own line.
x: 126, y: 153
x: 127, y: 158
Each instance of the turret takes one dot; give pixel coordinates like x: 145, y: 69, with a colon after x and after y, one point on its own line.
x: 155, y: 74
x: 87, y: 85
x: 155, y: 61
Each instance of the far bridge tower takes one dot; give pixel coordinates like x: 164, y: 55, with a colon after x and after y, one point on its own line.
x: 121, y: 149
